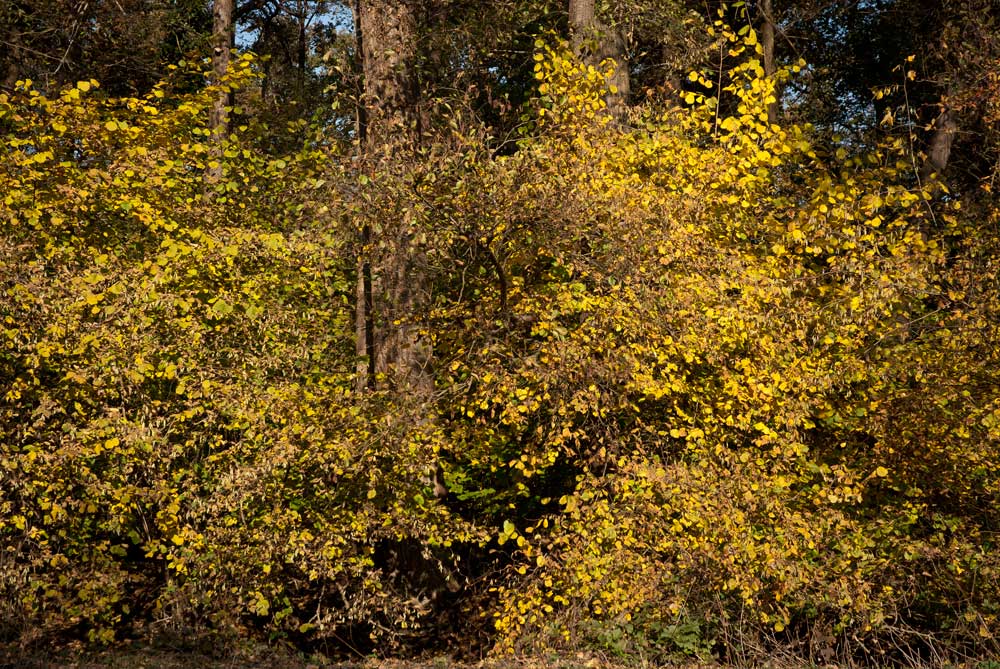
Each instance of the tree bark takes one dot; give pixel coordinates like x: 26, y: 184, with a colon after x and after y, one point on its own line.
x: 223, y: 35
x: 389, y: 51
x: 394, y: 290
x: 939, y: 147
x: 767, y: 46
x: 265, y: 81
x: 12, y: 67
x: 595, y: 43
x: 303, y: 20
x: 364, y: 327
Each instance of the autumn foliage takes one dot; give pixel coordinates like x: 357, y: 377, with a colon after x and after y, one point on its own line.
x: 702, y: 384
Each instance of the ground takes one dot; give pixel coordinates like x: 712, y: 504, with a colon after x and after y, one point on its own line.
x: 263, y: 657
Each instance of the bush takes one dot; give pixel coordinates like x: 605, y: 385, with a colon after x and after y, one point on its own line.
x: 701, y: 384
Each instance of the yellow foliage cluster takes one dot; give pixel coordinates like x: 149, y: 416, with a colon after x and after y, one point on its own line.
x: 761, y: 370
x: 179, y: 439
x: 697, y: 376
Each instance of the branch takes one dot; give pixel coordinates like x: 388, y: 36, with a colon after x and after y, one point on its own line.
x: 247, y: 7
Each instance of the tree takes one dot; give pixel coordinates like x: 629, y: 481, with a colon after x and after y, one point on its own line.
x: 11, y: 14
x: 223, y: 34
x: 929, y: 64
x: 702, y: 383
x: 767, y: 24
x: 388, y: 35
x: 385, y: 325
x: 595, y: 43
x: 126, y: 45
x: 309, y: 76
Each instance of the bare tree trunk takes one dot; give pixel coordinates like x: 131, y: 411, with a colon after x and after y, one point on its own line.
x: 767, y: 45
x: 595, y: 43
x: 364, y: 327
x: 391, y: 302
x: 303, y: 19
x: 12, y: 70
x: 389, y: 50
x: 939, y: 148
x: 265, y: 81
x: 223, y: 36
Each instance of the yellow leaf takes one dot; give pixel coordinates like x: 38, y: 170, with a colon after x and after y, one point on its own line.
x: 881, y: 472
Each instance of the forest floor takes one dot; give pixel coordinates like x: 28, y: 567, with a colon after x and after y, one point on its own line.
x: 268, y: 657
x: 157, y: 658
x: 263, y: 657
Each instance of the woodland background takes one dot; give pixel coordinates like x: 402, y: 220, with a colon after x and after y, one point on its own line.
x: 657, y: 328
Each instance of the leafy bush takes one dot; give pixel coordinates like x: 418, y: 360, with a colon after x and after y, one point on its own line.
x: 701, y: 383
x: 180, y: 439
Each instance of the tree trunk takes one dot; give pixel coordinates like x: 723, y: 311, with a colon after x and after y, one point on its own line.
x: 394, y: 290
x: 595, y: 43
x: 12, y: 69
x: 389, y: 50
x: 223, y: 36
x: 767, y: 46
x: 303, y: 19
x: 265, y: 81
x: 364, y: 327
x: 939, y: 148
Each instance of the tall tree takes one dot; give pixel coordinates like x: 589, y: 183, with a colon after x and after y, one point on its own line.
x: 939, y: 145
x: 223, y: 34
x: 595, y: 42
x: 389, y: 54
x: 388, y: 305
x: 767, y: 27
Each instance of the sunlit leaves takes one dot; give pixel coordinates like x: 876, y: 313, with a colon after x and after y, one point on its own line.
x: 694, y: 368
x: 186, y: 368
x: 727, y: 309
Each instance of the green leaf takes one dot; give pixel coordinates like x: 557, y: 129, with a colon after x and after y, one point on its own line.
x: 221, y: 308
